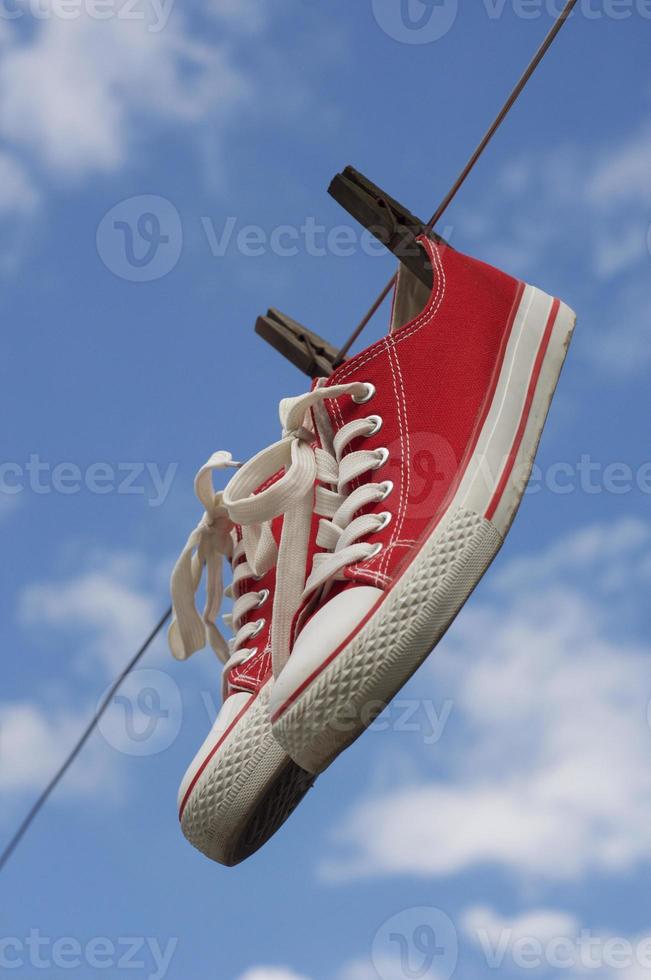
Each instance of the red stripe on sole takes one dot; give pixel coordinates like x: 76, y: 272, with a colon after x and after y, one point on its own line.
x: 526, y: 411
x: 212, y: 752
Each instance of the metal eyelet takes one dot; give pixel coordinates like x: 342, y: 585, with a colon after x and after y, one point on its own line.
x: 249, y: 656
x: 376, y: 551
x: 370, y: 392
x: 387, y: 489
x: 377, y: 422
x: 386, y: 517
x: 383, y: 458
x: 263, y: 595
x: 259, y: 626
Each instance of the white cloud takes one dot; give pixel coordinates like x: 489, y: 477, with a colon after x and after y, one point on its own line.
x: 617, y: 250
x: 358, y: 970
x: 104, y: 613
x: 271, y: 973
x: 9, y: 504
x: 550, y: 939
x: 86, y: 94
x: 622, y: 343
x: 635, y: 972
x: 549, y: 776
x: 573, y: 194
x: 377, y: 969
x: 247, y: 16
x: 34, y: 743
x: 110, y: 605
x: 19, y: 205
x: 586, y: 208
x: 18, y: 195
x: 610, y: 550
x: 622, y: 175
x: 485, y: 927
x: 74, y: 93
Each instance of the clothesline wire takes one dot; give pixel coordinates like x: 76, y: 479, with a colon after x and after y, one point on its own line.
x: 108, y: 697
x: 88, y: 731
x: 465, y: 173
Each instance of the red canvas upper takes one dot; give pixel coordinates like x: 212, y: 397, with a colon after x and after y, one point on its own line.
x: 433, y: 379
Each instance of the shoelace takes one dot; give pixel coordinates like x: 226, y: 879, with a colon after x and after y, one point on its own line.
x: 310, y: 472
x: 214, y: 540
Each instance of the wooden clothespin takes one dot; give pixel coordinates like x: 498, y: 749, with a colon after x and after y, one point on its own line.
x: 390, y: 223
x: 310, y: 353
x: 388, y: 220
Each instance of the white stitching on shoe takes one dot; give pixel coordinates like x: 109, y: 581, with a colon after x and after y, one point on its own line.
x: 403, y: 469
x: 376, y: 577
x: 403, y: 543
x: 389, y: 346
x: 428, y: 314
x: 405, y: 460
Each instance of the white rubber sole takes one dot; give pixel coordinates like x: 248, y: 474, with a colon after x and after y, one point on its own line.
x: 242, y: 788
x: 344, y: 695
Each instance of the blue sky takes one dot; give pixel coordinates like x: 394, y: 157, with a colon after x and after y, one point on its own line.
x: 503, y: 804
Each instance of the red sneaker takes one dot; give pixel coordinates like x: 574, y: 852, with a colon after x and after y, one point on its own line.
x: 431, y: 433
x: 242, y: 785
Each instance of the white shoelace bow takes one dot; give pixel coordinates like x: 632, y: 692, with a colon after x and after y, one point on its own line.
x: 213, y: 540
x: 304, y: 488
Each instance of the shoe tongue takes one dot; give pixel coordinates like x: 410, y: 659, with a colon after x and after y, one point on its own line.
x: 409, y: 299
